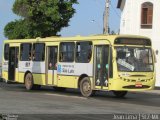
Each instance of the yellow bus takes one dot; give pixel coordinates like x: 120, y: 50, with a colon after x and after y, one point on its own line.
x: 118, y: 63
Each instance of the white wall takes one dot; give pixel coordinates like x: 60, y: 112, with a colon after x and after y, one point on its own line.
x: 130, y: 24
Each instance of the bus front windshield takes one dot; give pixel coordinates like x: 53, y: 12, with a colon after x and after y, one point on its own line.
x: 134, y: 59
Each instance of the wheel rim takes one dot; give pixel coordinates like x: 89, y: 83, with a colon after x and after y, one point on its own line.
x: 86, y: 88
x: 28, y: 82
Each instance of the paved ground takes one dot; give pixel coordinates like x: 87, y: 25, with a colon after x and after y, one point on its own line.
x: 14, y: 99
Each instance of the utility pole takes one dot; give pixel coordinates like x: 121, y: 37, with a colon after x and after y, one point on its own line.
x: 106, y: 18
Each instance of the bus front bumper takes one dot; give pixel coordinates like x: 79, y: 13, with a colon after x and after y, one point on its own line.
x: 121, y: 85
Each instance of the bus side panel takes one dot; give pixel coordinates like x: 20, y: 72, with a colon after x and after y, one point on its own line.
x: 21, y: 77
x: 66, y: 81
x: 69, y: 73
x: 36, y: 68
x: 70, y: 81
x: 39, y: 79
x: 5, y: 70
x: 4, y: 65
x: 38, y: 72
x: 5, y: 75
x: 84, y: 69
x: 55, y: 82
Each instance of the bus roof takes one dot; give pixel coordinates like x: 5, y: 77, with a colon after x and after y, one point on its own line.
x: 111, y: 38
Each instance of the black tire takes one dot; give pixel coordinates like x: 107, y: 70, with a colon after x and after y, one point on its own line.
x: 59, y: 89
x: 29, y: 81
x: 85, y: 87
x: 119, y: 94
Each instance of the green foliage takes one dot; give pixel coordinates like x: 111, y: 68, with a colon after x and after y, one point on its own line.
x: 40, y: 18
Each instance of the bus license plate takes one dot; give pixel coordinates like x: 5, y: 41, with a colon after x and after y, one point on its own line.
x: 138, y: 85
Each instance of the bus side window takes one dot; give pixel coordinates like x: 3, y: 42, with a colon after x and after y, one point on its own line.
x: 83, y: 51
x: 38, y: 53
x: 25, y: 51
x: 66, y: 52
x: 6, y: 51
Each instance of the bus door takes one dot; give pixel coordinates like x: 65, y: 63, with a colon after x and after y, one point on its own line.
x: 13, y: 63
x: 51, y: 77
x: 101, y: 66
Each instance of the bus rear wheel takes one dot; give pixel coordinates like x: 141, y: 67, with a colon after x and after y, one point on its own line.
x: 85, y: 87
x: 120, y: 94
x: 29, y: 81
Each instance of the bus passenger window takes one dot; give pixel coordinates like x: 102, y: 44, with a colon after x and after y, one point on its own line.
x: 38, y: 53
x: 25, y: 51
x: 66, y: 52
x: 6, y: 51
x: 83, y: 52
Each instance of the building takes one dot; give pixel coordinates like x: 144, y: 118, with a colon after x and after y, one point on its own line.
x: 142, y: 17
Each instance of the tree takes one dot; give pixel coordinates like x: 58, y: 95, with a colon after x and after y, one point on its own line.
x: 39, y: 18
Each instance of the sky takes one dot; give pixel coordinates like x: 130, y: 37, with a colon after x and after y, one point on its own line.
x: 87, y: 20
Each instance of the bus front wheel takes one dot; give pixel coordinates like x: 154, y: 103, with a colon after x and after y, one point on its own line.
x: 119, y: 94
x: 85, y: 87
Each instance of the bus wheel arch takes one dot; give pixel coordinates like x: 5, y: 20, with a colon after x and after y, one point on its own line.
x: 80, y: 78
